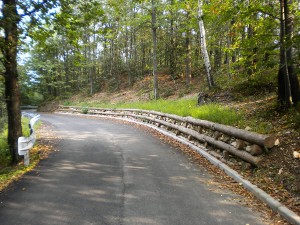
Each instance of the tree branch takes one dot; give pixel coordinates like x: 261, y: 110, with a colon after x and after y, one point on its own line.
x: 269, y: 14
x: 36, y: 8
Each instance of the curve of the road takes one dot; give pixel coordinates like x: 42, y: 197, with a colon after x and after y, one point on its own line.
x: 115, y: 174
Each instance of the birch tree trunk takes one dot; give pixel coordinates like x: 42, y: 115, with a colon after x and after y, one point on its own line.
x: 205, y: 55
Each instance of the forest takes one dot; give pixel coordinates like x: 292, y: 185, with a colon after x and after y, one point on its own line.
x: 55, y: 49
x: 59, y: 50
x: 91, y: 46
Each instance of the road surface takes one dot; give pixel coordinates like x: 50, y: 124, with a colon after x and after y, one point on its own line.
x: 115, y: 174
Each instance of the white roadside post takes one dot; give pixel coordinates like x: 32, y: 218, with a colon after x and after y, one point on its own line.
x: 26, y: 143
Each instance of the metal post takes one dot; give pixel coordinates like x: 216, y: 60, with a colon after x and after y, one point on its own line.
x: 26, y: 159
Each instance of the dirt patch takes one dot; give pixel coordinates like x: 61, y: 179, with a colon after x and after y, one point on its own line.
x: 48, y: 106
x: 142, y: 91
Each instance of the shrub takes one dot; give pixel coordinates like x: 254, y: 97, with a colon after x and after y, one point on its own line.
x: 84, y: 110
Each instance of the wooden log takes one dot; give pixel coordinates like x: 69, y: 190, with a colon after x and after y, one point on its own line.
x: 259, y: 139
x: 219, y: 144
x: 267, y: 141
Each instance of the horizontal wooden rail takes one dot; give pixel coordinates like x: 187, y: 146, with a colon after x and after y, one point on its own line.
x: 188, y: 126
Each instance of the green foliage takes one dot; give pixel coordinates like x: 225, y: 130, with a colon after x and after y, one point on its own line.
x: 84, y: 110
x: 9, y: 174
x: 67, y: 103
x: 32, y: 98
x: 4, y: 150
x: 217, y: 113
x: 183, y: 107
x: 25, y: 126
x: 90, y: 47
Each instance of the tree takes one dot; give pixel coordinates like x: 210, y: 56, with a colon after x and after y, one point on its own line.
x: 205, y: 55
x: 154, y: 38
x: 98, y: 45
x: 288, y: 83
x: 9, y: 22
x: 9, y: 48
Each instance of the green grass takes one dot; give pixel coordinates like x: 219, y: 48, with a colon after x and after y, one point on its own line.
x: 10, y: 173
x: 4, y: 151
x: 182, y: 107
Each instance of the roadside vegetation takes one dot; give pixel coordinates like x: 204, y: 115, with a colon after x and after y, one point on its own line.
x: 182, y: 107
x: 238, y: 103
x: 10, y: 173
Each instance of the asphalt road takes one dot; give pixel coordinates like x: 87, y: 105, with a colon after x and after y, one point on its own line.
x: 115, y: 174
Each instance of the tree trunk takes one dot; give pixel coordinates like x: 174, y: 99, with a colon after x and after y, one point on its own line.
x: 188, y: 61
x: 217, y: 57
x: 172, y: 42
x: 227, y: 55
x: 154, y: 37
x: 12, y: 94
x: 288, y: 83
x: 210, y: 79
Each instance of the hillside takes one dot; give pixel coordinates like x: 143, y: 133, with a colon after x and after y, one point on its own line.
x: 280, y: 173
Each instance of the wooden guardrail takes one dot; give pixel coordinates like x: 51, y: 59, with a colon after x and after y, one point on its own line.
x: 246, y: 145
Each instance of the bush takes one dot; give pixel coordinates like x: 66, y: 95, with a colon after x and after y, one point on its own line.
x: 84, y: 110
x: 67, y: 103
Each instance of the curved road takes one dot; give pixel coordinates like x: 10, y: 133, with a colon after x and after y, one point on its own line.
x: 115, y: 174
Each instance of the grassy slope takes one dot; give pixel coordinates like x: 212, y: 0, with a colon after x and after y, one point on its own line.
x: 182, y: 107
